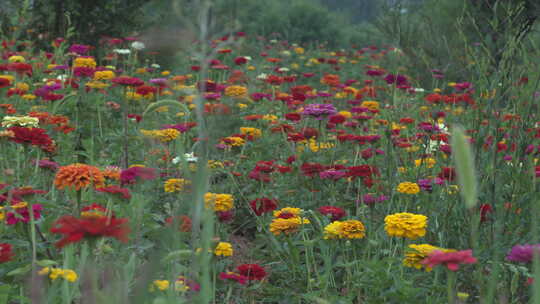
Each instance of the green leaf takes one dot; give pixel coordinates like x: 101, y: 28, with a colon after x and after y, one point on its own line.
x: 177, y: 255
x: 463, y: 159
x: 4, y: 294
x: 20, y: 270
x: 46, y: 263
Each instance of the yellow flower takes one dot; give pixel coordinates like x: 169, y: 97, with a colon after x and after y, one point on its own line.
x: 408, y: 188
x: 29, y: 96
x: 165, y: 73
x: 219, y: 201
x: 175, y: 184
x: 346, y: 114
x: 165, y: 135
x: 8, y: 77
x: 70, y: 275
x: 351, y: 229
x: 429, y: 162
x: 56, y: 273
x: 104, y: 75
x: 288, y: 210
x: 44, y: 271
x: 372, y: 105
x: 299, y: 50
x: 254, y: 132
x: 286, y: 225
x: 141, y: 70
x: 161, y: 284
x: 22, y: 86
x: 94, y: 84
x: 87, y: 62
x: 269, y: 117
x: 406, y: 225
x: 417, y: 253
x: 16, y: 58
x: 236, y: 91
x: 223, y: 249
x: 233, y: 141
x: 402, y: 169
x: 215, y: 164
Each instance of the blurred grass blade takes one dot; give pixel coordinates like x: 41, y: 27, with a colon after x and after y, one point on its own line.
x: 463, y: 159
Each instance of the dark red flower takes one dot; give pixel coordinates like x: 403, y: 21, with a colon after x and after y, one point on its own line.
x: 485, y: 211
x: 5, y: 252
x: 124, y: 192
x: 252, y: 271
x: 128, y: 81
x: 335, y: 213
x: 76, y: 229
x: 128, y: 176
x: 263, y: 205
x: 32, y: 136
x: 447, y: 173
x: 312, y: 169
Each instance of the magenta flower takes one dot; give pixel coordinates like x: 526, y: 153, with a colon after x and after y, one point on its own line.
x: 523, y: 253
x: 319, y: 111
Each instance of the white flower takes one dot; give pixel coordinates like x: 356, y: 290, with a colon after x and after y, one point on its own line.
x: 62, y: 77
x: 283, y: 69
x: 155, y: 65
x: 137, y: 45
x: 262, y: 76
x: 419, y: 90
x: 122, y: 51
x: 189, y: 157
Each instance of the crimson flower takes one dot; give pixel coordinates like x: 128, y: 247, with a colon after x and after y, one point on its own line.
x: 91, y: 226
x: 124, y: 192
x: 449, y: 259
x: 240, y: 279
x: 128, y: 81
x: 5, y: 252
x: 263, y: 205
x: 32, y: 136
x: 252, y: 271
x: 335, y: 213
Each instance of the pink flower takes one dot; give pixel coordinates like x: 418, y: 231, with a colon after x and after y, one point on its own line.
x: 450, y: 259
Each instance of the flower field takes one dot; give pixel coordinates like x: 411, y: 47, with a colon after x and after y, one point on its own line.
x: 265, y: 173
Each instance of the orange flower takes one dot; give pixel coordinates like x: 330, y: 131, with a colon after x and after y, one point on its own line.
x: 78, y: 176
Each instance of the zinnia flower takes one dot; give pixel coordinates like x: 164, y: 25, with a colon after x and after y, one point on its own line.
x: 175, y: 185
x: 22, y: 214
x: 351, y: 229
x: 5, y: 252
x: 78, y: 176
x: 129, y: 176
x: 33, y: 136
x: 76, y: 229
x: 123, y: 192
x: 319, y: 111
x: 335, y: 213
x: 223, y: 249
x: 219, y: 201
x: 252, y: 271
x: 523, y: 253
x: 450, y: 259
x: 406, y: 225
x: 417, y: 253
x: 408, y: 188
x: 263, y: 205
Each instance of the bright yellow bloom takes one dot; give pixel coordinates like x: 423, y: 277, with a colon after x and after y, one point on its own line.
x: 287, y: 225
x: 233, y: 141
x: 97, y: 84
x: 299, y: 50
x: 269, y: 117
x: 288, y: 210
x: 165, y: 135
x: 406, y: 225
x: 16, y: 58
x: 219, y: 201
x: 236, y: 91
x: 70, y: 275
x: 223, y: 249
x: 408, y: 188
x: 372, y: 105
x: 351, y: 229
x: 22, y: 86
x: 256, y: 133
x: 161, y: 284
x: 8, y: 77
x: 429, y: 162
x: 104, y: 75
x: 346, y: 114
x: 175, y: 184
x: 29, y: 96
x: 87, y: 62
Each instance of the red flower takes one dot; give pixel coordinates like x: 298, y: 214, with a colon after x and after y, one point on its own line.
x: 124, y: 192
x: 485, y: 211
x: 448, y: 174
x: 252, y: 271
x: 32, y: 136
x: 5, y: 252
x: 312, y: 169
x: 336, y: 213
x: 75, y: 229
x: 128, y: 81
x: 450, y: 259
x: 263, y: 205
x: 293, y: 116
x: 129, y: 176
x: 240, y: 279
